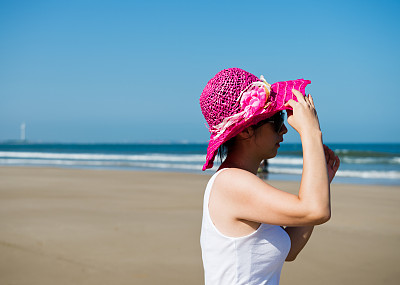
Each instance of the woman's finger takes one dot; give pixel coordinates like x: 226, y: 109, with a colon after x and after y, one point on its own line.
x: 299, y: 96
x: 331, y: 162
x: 337, y: 163
x: 311, y: 100
x: 307, y: 100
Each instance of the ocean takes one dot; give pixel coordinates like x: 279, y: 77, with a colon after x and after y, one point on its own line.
x: 360, y: 163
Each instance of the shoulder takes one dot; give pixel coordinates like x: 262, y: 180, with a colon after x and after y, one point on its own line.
x: 237, y: 183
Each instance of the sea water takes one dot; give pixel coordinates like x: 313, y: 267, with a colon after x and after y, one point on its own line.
x: 360, y: 163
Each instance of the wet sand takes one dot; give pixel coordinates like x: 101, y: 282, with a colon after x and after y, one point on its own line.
x: 70, y: 226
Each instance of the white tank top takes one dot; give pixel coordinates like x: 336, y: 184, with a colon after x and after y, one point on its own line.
x: 256, y: 258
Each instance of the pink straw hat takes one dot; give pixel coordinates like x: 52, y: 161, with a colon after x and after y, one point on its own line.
x: 235, y: 99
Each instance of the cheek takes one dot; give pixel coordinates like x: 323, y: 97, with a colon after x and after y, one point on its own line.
x: 267, y: 131
x: 266, y: 135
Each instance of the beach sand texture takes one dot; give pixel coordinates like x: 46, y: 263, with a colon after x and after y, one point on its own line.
x: 71, y: 226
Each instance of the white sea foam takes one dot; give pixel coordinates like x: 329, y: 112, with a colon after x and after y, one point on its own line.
x: 64, y: 162
x: 88, y: 156
x: 369, y: 174
x: 192, y: 162
x: 177, y: 158
x: 284, y: 170
x: 286, y: 160
x: 371, y: 160
x: 372, y: 174
x: 186, y: 166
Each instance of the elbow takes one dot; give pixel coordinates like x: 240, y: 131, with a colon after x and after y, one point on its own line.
x: 323, y: 217
x: 320, y: 217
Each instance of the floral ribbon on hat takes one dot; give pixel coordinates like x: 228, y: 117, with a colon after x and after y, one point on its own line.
x: 253, y: 100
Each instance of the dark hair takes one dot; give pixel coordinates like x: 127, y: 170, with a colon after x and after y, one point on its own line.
x: 224, y: 148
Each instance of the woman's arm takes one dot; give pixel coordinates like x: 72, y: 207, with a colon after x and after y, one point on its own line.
x: 314, y: 186
x: 243, y: 196
x: 299, y: 236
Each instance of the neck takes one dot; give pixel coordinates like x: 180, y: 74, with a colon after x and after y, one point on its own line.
x: 242, y: 159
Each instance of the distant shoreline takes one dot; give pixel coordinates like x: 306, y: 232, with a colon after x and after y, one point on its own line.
x: 270, y: 177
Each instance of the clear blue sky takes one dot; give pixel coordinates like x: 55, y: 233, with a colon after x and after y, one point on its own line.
x: 126, y: 71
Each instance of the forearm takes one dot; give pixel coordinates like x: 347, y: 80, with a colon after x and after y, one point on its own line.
x: 299, y: 237
x: 314, y: 187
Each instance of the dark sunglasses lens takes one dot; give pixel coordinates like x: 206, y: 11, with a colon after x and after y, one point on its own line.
x: 278, y: 121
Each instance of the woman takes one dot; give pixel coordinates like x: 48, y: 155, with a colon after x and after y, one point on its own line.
x: 250, y: 228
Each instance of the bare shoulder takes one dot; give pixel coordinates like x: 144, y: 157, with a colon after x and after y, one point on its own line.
x: 239, y: 184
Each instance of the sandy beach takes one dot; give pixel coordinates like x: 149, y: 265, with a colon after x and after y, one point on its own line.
x: 72, y: 226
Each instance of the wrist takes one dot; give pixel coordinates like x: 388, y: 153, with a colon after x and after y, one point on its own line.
x: 313, y: 135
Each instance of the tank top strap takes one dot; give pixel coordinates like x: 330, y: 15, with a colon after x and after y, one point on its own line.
x: 210, y: 184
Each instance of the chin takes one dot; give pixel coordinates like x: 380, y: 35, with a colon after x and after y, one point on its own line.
x: 271, y: 155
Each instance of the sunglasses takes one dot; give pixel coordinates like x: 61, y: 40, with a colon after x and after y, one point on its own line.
x: 278, y: 119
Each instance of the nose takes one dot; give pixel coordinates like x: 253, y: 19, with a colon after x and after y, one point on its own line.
x: 283, y: 130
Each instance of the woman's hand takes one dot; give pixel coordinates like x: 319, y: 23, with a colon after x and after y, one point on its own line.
x: 303, y: 118
x: 332, y: 162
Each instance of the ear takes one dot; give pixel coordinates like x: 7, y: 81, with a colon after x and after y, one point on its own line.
x: 246, y: 133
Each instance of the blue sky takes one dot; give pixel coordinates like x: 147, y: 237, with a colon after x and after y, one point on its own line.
x: 128, y: 71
